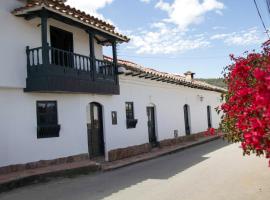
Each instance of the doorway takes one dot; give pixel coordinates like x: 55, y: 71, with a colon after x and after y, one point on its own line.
x: 209, y: 118
x: 152, y: 126
x: 187, y: 119
x: 95, y: 131
x: 62, y: 47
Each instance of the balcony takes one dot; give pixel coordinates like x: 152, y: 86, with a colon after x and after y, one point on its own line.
x: 54, y: 70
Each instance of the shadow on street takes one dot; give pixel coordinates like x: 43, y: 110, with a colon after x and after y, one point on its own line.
x: 101, y: 185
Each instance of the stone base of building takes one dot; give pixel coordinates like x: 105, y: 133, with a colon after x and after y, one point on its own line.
x: 42, y: 163
x: 121, y: 153
x: 118, y: 154
x: 181, y: 139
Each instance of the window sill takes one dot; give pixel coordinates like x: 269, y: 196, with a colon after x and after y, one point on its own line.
x: 131, y: 123
x: 48, y: 131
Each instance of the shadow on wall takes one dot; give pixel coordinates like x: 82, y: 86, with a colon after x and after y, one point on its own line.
x: 101, y: 185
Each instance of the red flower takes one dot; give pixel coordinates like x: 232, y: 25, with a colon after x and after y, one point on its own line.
x: 246, y: 107
x: 210, y: 132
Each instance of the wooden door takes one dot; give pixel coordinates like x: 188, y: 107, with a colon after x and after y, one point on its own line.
x: 152, y: 126
x: 186, y: 118
x: 95, y: 131
x: 209, y: 119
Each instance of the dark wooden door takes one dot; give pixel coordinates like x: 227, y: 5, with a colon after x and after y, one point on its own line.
x: 152, y: 126
x: 62, y: 41
x: 95, y: 131
x: 209, y: 120
x: 186, y: 118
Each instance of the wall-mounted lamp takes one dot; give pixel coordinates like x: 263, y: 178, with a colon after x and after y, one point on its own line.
x: 200, y: 97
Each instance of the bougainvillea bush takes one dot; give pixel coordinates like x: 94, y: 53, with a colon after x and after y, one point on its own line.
x: 246, y: 105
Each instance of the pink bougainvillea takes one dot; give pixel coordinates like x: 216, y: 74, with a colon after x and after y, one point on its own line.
x: 246, y: 107
x: 210, y: 132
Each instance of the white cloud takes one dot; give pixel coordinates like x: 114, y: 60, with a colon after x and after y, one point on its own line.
x: 145, y: 1
x: 244, y: 37
x: 218, y: 27
x: 90, y: 6
x: 169, y: 35
x: 164, y: 39
x: 184, y: 13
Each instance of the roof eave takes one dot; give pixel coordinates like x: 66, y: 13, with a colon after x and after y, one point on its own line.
x: 40, y: 7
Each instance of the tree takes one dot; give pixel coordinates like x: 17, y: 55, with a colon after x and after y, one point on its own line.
x: 246, y: 107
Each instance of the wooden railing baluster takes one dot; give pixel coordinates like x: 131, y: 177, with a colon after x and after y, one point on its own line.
x: 57, y: 57
x: 38, y: 57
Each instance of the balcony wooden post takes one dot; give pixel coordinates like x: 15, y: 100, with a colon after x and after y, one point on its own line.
x: 114, y: 52
x: 28, y: 60
x: 92, y: 54
x: 44, y: 37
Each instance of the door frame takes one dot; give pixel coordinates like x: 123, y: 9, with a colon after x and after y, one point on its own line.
x: 89, y: 138
x: 156, y: 143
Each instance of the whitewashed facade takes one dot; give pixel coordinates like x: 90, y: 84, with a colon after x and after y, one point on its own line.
x: 18, y: 112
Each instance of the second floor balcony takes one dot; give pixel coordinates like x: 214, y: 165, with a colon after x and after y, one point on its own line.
x: 54, y: 70
x: 55, y: 66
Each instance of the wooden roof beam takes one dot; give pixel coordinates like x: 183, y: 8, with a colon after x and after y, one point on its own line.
x: 136, y: 74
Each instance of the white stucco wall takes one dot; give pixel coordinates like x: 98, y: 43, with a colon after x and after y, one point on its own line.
x: 19, y: 143
x: 17, y: 33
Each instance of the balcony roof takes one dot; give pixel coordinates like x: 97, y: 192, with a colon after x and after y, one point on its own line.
x: 61, y: 8
x: 133, y: 69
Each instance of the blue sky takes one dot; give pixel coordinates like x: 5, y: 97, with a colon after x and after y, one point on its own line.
x: 181, y: 35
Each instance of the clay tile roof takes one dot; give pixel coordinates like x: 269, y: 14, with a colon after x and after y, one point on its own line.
x: 78, y: 15
x: 133, y: 68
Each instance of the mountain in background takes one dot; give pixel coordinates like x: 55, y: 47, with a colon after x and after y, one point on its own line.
x: 214, y: 81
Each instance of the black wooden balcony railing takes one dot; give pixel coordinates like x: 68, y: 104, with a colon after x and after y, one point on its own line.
x: 64, y: 71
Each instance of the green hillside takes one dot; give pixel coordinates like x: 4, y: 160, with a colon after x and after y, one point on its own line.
x: 214, y: 81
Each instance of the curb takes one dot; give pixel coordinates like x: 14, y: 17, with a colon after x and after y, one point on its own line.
x: 45, y: 177
x: 104, y: 169
x: 84, y: 170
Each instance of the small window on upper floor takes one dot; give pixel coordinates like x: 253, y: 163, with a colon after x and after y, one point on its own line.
x: 47, y: 119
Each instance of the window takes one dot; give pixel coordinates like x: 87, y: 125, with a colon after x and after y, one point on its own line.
x: 131, y: 121
x: 47, y: 120
x: 129, y: 110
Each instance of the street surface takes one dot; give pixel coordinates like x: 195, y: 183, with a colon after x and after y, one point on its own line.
x: 212, y: 171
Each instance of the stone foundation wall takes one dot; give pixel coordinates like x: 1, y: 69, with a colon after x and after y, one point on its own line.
x: 179, y: 140
x: 121, y: 153
x: 118, y: 154
x: 43, y: 163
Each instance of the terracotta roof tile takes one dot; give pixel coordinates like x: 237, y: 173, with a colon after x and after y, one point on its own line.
x: 133, y: 68
x: 60, y: 6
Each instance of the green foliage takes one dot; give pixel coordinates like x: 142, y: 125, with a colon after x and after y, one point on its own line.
x: 214, y: 81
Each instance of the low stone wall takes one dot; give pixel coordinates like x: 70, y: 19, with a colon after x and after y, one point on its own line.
x: 118, y: 154
x: 121, y: 153
x: 181, y: 139
x: 42, y: 163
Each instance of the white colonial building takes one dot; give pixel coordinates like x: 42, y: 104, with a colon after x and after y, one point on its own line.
x: 60, y: 97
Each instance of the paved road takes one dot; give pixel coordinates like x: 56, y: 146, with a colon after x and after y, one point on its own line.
x: 213, y: 171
